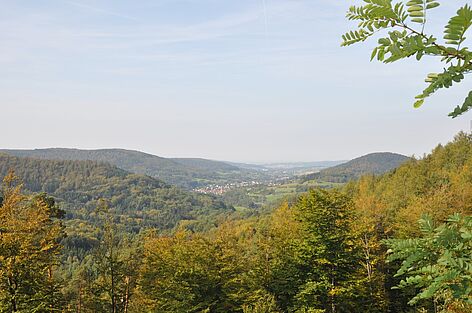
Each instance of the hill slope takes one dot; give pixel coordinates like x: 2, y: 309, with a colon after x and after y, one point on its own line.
x: 439, y: 184
x: 204, y: 164
x: 186, y: 173
x: 136, y: 200
x: 374, y: 163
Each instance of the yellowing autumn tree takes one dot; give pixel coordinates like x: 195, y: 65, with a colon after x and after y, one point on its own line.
x: 30, y: 232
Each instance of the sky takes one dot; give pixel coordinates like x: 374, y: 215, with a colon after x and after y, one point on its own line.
x: 245, y: 80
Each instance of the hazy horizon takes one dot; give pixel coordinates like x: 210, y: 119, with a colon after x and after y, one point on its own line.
x: 246, y: 81
x: 249, y: 162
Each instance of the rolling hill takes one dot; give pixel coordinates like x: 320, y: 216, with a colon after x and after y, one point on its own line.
x: 188, y: 173
x: 271, y: 195
x: 206, y: 165
x: 374, y: 163
x: 135, y: 200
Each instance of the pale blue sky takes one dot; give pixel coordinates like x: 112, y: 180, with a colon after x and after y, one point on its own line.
x: 220, y: 79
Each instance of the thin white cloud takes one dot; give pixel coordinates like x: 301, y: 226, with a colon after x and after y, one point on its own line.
x: 99, y: 10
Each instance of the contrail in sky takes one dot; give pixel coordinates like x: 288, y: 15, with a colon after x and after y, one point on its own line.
x: 264, y: 7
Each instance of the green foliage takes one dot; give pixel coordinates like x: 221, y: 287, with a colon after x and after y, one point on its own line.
x: 116, y: 261
x: 404, y: 40
x: 193, y: 273
x: 137, y: 201
x: 439, y: 263
x: 300, y: 259
x: 29, y: 251
x: 265, y: 304
x: 458, y: 26
x: 328, y: 251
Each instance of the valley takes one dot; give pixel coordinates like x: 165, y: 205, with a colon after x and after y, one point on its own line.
x: 138, y: 186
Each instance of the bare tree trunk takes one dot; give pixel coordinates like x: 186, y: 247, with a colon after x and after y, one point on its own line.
x: 113, y: 297
x: 368, y: 263
x: 333, y: 305
x: 51, y: 285
x: 79, y: 303
x: 126, y: 304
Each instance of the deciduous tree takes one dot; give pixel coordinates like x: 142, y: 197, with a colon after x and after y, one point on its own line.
x: 30, y: 232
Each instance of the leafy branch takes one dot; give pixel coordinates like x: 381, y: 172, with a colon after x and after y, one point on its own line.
x: 405, y: 41
x: 439, y: 263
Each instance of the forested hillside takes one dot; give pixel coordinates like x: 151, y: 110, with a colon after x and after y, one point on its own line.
x: 135, y: 200
x: 207, y: 165
x: 374, y: 163
x: 439, y: 184
x: 186, y: 173
x: 329, y: 251
x: 326, y: 252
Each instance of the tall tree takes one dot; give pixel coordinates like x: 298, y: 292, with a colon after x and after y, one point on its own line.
x: 30, y: 232
x: 328, y: 252
x: 116, y: 262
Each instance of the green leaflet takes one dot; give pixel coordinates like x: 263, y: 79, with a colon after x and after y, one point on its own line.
x: 466, y: 106
x: 404, y: 40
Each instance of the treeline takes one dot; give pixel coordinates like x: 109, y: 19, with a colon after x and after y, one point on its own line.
x: 356, y: 249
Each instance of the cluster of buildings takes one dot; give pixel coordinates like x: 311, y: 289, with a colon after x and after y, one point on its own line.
x: 217, y: 189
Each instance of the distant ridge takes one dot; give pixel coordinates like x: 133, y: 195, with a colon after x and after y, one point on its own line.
x: 188, y: 173
x: 373, y: 163
x: 205, y: 164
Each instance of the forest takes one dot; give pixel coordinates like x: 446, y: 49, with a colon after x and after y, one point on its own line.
x: 398, y: 242
x: 136, y: 201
